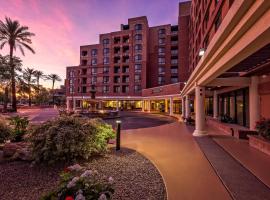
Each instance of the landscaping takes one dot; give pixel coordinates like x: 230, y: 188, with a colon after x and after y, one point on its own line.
x: 70, y: 158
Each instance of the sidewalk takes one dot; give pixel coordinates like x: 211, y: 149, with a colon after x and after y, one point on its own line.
x: 185, y: 170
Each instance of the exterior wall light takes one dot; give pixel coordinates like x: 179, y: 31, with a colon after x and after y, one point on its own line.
x: 201, y: 52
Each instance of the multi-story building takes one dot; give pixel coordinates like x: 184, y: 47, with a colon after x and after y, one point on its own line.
x: 129, y: 61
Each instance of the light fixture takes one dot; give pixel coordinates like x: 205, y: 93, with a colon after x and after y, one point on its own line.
x: 118, y: 121
x: 201, y: 52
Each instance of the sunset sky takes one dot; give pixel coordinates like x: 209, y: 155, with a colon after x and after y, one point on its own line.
x: 61, y: 26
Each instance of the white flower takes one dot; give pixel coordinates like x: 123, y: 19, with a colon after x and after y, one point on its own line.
x: 87, y: 173
x: 73, y: 182
x: 111, y: 179
x: 102, y: 197
x: 75, y: 167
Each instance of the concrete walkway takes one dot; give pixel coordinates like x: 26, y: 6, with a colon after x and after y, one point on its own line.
x: 185, y: 170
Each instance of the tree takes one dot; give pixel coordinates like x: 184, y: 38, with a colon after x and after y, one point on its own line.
x: 53, y: 78
x: 28, y: 75
x: 16, y: 36
x: 5, y: 74
x: 39, y: 75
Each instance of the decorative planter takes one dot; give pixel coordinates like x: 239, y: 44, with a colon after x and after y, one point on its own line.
x: 259, y: 143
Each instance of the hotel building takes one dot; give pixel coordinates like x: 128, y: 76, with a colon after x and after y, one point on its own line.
x: 215, y: 62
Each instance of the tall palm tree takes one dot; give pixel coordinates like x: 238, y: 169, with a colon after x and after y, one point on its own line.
x: 28, y: 75
x: 53, y: 78
x: 39, y: 75
x: 16, y: 36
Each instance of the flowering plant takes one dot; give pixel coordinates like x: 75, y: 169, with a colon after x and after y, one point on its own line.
x: 78, y: 183
x: 263, y: 127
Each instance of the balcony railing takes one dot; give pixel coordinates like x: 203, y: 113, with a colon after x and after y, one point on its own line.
x: 174, y: 43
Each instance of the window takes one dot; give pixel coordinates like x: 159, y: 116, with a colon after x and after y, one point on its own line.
x: 84, y: 71
x: 161, y: 80
x: 106, y: 70
x: 105, y: 89
x: 106, y: 79
x: 106, y: 41
x: 105, y: 60
x: 138, y: 27
x: 138, y: 68
x: 161, y: 41
x: 125, y: 79
x: 106, y: 51
x: 137, y: 78
x: 84, y: 80
x: 116, y: 69
x: 138, y: 37
x: 174, y: 70
x: 161, y: 60
x: 93, y: 70
x: 125, y: 69
x: 84, y: 62
x: 94, y: 52
x: 93, y: 80
x: 161, y: 51
x: 94, y: 61
x: 71, y: 90
x: 138, y: 57
x: 174, y: 61
x: 161, y: 70
x: 138, y: 88
x: 174, y: 79
x: 138, y: 48
x: 83, y: 89
x: 116, y: 79
x: 125, y: 89
x: 84, y: 53
x: 174, y: 51
x: 71, y: 74
x: 116, y: 89
x: 161, y: 31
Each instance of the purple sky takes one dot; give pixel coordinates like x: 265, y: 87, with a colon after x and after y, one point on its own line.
x: 61, y: 26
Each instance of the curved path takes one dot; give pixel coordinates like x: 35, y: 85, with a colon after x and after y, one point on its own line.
x: 185, y: 170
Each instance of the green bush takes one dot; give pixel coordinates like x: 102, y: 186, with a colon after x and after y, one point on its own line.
x: 82, y: 184
x: 5, y: 131
x: 263, y: 127
x: 68, y: 139
x: 19, y: 127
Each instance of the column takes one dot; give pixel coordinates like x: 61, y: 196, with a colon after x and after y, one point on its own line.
x: 74, y: 104
x: 254, y: 102
x: 187, y: 107
x: 232, y: 107
x: 100, y: 105
x: 117, y: 105
x: 68, y: 105
x: 149, y: 105
x: 166, y: 105
x: 199, y: 112
x: 142, y: 105
x: 215, y: 104
x: 183, y: 107
x: 171, y: 106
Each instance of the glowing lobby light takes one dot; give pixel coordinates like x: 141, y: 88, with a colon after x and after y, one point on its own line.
x: 201, y: 52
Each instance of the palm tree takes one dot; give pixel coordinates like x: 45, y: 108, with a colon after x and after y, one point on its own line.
x: 14, y: 35
x: 53, y: 77
x: 39, y: 75
x: 28, y: 75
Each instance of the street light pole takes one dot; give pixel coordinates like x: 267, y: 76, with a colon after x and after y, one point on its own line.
x: 118, y: 135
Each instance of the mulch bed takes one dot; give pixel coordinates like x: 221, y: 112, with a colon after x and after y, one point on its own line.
x: 135, y: 177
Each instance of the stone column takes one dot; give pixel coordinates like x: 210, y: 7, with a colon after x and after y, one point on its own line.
x: 149, y: 105
x: 254, y: 102
x: 166, y: 105
x: 100, y: 105
x: 74, y: 104
x: 68, y: 105
x: 215, y: 104
x: 199, y: 112
x: 171, y: 106
x: 142, y: 105
x: 117, y: 105
x: 187, y: 107
x: 232, y: 107
x: 183, y: 107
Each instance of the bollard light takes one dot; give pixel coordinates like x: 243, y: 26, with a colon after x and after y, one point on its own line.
x: 118, y: 135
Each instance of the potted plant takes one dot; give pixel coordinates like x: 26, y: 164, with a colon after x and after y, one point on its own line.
x: 19, y: 127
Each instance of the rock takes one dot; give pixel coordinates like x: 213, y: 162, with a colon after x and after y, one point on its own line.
x: 17, y: 150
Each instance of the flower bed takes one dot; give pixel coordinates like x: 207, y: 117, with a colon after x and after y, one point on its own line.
x: 260, y: 143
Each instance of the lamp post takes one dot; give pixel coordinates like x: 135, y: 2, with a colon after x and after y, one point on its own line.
x: 118, y: 135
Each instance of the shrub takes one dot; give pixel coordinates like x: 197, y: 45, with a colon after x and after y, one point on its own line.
x: 69, y: 139
x: 5, y: 131
x: 79, y: 183
x: 19, y: 127
x: 263, y: 127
